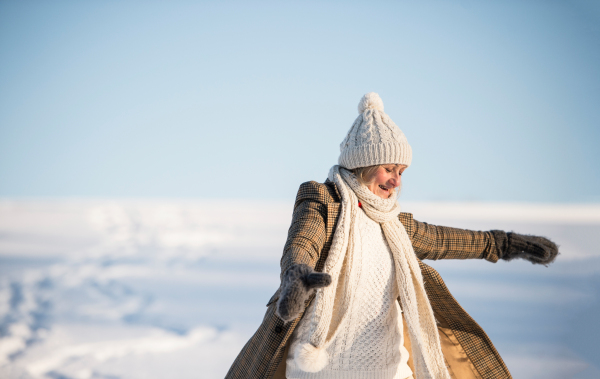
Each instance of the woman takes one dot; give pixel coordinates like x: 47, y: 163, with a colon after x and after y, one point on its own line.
x: 355, y: 300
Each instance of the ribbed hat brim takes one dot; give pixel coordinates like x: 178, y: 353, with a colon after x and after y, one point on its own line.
x: 376, y: 154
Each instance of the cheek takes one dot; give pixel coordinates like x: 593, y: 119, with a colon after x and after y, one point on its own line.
x: 381, y: 178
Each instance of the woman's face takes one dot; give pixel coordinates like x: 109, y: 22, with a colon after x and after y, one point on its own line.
x: 385, y: 179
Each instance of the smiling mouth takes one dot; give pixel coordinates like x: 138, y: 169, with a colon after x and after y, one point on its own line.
x: 383, y: 187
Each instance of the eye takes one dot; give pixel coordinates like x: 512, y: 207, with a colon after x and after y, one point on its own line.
x: 388, y: 170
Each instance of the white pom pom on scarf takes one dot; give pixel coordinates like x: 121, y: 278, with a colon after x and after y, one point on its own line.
x: 309, y: 358
x: 370, y: 101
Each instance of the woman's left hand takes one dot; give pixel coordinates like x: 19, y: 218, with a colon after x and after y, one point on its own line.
x: 535, y: 249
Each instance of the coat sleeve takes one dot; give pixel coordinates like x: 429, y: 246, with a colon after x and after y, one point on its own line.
x: 307, y: 233
x: 443, y: 242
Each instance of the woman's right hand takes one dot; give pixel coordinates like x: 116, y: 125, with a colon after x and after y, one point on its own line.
x: 299, y: 282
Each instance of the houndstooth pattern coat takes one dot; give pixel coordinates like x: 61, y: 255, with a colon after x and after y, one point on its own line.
x: 468, y: 351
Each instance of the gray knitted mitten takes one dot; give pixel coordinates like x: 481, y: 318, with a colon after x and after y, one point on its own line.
x: 535, y: 249
x: 299, y: 282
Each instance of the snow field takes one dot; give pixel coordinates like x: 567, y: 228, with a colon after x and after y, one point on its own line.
x: 154, y: 289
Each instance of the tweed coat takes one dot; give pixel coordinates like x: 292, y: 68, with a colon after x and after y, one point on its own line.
x: 464, y: 343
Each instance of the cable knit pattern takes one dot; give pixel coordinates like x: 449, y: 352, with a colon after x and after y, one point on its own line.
x: 373, y: 138
x: 370, y: 345
x: 331, y: 311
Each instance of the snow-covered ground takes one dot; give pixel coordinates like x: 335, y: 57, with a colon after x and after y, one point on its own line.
x: 161, y: 289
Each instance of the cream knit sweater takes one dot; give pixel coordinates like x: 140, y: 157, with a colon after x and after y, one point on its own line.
x: 371, y: 344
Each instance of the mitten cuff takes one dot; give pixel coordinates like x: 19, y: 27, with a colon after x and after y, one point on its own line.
x: 501, y: 240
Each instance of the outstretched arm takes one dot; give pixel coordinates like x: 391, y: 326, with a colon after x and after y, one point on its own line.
x: 442, y: 242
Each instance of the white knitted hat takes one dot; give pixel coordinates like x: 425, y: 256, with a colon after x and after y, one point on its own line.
x: 373, y: 139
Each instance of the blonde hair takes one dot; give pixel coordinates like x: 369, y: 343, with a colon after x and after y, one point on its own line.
x: 365, y: 175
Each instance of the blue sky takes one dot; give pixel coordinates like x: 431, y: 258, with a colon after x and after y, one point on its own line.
x: 499, y: 99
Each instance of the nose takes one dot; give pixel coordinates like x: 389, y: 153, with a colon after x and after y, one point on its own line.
x: 395, y: 180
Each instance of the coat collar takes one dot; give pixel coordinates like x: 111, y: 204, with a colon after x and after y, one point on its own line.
x: 333, y: 191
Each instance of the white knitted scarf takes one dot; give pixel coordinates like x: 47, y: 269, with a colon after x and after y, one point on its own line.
x: 333, y: 303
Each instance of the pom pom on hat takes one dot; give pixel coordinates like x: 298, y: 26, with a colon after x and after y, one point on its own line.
x: 310, y: 358
x: 370, y: 101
